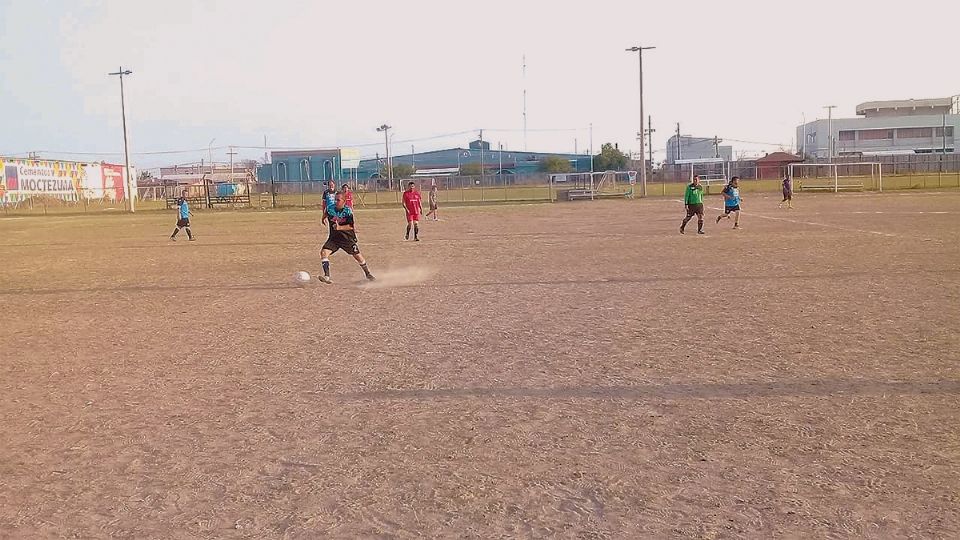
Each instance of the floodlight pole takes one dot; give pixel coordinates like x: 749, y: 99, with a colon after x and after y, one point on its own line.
x: 591, y: 148
x: 126, y: 148
x: 386, y: 143
x: 830, y: 109
x: 643, y: 169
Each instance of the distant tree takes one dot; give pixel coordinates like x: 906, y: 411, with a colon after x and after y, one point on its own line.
x: 403, y: 170
x: 555, y: 164
x: 470, y: 169
x: 400, y: 170
x: 610, y: 159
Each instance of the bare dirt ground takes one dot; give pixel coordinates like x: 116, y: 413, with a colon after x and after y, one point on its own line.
x: 574, y: 370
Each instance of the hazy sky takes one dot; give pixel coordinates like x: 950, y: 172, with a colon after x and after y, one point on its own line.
x: 327, y: 73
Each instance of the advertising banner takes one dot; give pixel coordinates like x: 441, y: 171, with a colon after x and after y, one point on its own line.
x: 22, y: 179
x: 112, y: 181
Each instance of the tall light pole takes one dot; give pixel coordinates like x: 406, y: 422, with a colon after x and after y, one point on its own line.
x: 386, y: 142
x: 210, y: 152
x: 591, y: 150
x: 830, y: 109
x: 803, y: 145
x: 500, y: 172
x: 465, y: 153
x: 126, y: 148
x: 643, y: 170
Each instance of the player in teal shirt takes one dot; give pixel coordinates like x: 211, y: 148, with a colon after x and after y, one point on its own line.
x: 731, y: 202
x: 183, y: 217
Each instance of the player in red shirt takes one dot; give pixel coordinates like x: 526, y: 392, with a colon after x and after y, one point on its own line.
x: 347, y: 196
x: 414, y: 207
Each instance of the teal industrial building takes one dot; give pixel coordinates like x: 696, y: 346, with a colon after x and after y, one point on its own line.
x: 320, y: 165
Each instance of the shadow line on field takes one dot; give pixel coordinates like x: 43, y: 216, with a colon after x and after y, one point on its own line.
x: 483, y: 284
x: 161, y: 245
x: 149, y: 288
x: 678, y: 279
x: 671, y: 391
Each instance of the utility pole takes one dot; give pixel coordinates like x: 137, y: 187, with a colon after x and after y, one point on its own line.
x: 830, y: 109
x: 678, y: 142
x: 524, y: 102
x: 386, y: 142
x: 943, y: 136
x: 643, y: 170
x: 231, y: 153
x: 716, y: 146
x: 481, y: 158
x: 591, y: 147
x: 413, y: 158
x: 500, y: 172
x: 126, y: 148
x: 650, y: 132
x: 803, y: 145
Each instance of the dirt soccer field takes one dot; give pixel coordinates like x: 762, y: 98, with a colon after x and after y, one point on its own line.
x: 574, y: 370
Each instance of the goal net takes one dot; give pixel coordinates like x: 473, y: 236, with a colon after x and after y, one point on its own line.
x: 596, y: 184
x: 836, y: 177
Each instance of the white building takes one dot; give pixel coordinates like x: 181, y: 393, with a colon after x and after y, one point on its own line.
x: 913, y: 126
x: 696, y: 149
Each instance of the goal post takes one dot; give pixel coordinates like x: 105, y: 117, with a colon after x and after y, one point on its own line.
x: 592, y: 185
x: 836, y: 177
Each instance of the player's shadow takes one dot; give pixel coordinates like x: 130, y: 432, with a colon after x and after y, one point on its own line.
x: 673, y: 391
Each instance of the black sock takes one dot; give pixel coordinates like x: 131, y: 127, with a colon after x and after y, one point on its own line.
x: 189, y: 234
x: 699, y: 225
x: 366, y: 270
x: 408, y: 230
x: 416, y: 231
x: 326, y: 267
x: 175, y: 231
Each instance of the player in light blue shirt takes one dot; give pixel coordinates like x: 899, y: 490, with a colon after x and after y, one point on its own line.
x: 183, y: 217
x: 731, y: 202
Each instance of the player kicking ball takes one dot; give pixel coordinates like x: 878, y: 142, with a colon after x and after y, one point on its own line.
x: 693, y: 202
x: 343, y: 236
x: 731, y: 202
x: 183, y: 217
x: 413, y: 205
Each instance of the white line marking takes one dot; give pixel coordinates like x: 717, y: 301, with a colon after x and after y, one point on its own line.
x: 815, y: 224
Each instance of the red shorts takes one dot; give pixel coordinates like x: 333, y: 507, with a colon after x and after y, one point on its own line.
x: 413, y: 217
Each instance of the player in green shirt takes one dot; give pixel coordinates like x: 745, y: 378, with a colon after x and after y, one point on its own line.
x: 693, y: 201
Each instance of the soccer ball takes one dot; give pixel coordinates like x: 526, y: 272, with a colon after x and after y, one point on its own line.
x: 301, y: 278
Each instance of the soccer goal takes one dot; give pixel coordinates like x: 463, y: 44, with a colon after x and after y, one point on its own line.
x: 836, y: 177
x: 595, y: 185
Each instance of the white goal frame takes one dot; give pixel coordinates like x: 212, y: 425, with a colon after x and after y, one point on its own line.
x: 597, y: 182
x: 876, y: 173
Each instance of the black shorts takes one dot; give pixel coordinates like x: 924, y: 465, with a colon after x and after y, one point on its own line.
x: 695, y: 209
x: 183, y: 222
x: 728, y: 209
x: 334, y: 245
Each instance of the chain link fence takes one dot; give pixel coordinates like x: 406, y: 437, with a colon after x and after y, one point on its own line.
x: 374, y: 193
x: 899, y: 173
